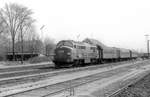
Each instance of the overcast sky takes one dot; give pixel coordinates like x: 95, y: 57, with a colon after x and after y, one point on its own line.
x: 119, y: 23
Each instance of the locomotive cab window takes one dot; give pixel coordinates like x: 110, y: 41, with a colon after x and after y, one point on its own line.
x: 59, y: 44
x: 68, y: 44
x: 81, y: 47
x: 65, y: 43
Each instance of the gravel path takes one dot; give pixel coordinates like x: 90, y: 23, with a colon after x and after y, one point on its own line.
x: 138, y: 65
x: 106, y: 86
x: 70, y: 76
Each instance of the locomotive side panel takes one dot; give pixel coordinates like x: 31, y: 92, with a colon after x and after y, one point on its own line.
x: 85, y: 52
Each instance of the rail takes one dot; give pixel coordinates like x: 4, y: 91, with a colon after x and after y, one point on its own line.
x: 70, y: 81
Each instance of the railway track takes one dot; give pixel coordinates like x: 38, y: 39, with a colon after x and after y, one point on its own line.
x: 125, y: 75
x: 13, y: 78
x: 79, y: 82
x: 76, y: 82
x: 93, y: 79
x: 129, y: 84
x: 39, y: 70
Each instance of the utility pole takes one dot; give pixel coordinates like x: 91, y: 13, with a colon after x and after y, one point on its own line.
x: 42, y: 38
x: 147, y: 39
x: 42, y: 33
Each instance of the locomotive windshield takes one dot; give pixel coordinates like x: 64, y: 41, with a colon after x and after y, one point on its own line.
x: 64, y: 43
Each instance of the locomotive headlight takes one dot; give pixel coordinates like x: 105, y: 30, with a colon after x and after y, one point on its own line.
x: 68, y: 53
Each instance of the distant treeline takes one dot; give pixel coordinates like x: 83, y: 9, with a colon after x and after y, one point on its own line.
x: 29, y: 46
x: 18, y: 32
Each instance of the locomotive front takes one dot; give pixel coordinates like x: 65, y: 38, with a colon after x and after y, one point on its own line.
x: 63, y: 53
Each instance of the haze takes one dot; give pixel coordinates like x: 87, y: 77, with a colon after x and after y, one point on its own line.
x: 117, y: 23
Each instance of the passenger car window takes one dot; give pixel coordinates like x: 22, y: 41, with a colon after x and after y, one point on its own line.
x: 68, y: 44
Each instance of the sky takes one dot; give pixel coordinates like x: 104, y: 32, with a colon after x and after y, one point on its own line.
x: 116, y: 23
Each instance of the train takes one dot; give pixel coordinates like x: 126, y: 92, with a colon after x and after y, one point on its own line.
x: 89, y: 51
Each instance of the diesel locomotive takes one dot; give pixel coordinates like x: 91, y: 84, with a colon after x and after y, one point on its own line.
x: 73, y: 53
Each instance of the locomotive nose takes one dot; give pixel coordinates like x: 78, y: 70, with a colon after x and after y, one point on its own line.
x: 62, y: 55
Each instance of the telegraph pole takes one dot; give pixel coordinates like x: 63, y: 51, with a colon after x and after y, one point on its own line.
x: 42, y: 39
x: 42, y: 33
x: 147, y: 39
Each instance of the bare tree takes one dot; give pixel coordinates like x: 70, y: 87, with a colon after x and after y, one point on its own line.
x: 14, y: 16
x: 24, y: 27
x: 3, y: 27
x: 3, y: 40
x: 49, y: 46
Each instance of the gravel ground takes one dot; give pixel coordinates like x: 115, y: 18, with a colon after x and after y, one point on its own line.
x: 83, y: 73
x: 138, y: 66
x: 139, y: 89
x: 105, y: 87
x: 34, y: 79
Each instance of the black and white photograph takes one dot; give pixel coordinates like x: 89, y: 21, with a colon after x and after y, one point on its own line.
x: 74, y: 48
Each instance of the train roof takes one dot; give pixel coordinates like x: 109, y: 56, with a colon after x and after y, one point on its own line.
x: 78, y: 43
x: 94, y: 42
x: 82, y: 43
x: 124, y: 50
x: 98, y: 43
